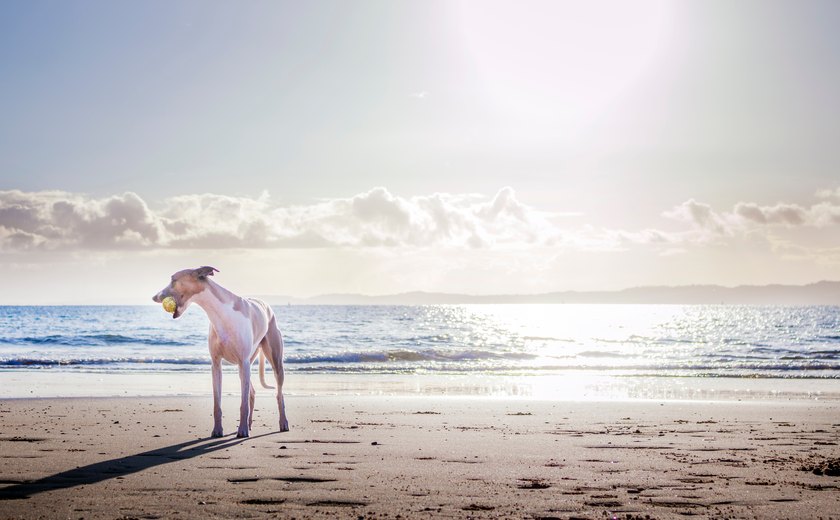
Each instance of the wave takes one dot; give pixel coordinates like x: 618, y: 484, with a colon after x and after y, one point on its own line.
x: 35, y: 362
x: 407, y: 355
x: 389, y: 356
x: 783, y: 372
x: 461, y: 362
x: 93, y: 340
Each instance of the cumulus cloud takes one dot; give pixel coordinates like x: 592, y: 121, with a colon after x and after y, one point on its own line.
x: 744, y: 215
x: 829, y: 193
x: 53, y: 220
x: 376, y: 218
x: 708, y: 225
x: 819, y: 215
x: 701, y: 216
x: 787, y: 214
x: 824, y: 214
x: 29, y: 220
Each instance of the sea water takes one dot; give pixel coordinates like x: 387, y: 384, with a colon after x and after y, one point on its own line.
x: 623, y: 340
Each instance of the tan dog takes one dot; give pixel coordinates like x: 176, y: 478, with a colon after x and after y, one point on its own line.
x: 240, y: 329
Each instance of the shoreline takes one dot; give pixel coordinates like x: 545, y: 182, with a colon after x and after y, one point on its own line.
x: 430, y: 457
x: 571, y: 386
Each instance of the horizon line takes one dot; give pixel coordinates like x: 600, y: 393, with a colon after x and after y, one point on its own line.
x: 694, y: 294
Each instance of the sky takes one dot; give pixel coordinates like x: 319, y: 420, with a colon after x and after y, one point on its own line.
x: 379, y: 147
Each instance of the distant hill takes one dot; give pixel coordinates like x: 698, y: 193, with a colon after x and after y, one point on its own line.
x: 820, y: 293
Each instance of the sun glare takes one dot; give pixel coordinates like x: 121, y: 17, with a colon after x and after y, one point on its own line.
x: 572, y: 59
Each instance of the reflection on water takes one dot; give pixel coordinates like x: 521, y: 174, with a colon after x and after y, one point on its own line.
x: 631, y: 340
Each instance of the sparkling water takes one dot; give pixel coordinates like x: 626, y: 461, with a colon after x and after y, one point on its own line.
x: 667, y: 340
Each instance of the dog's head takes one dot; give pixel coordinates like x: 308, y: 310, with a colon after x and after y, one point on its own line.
x: 184, y: 286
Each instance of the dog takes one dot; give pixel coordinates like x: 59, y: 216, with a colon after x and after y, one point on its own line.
x: 240, y: 329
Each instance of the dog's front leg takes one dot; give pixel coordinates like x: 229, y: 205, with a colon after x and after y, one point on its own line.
x: 217, y: 398
x: 245, y: 406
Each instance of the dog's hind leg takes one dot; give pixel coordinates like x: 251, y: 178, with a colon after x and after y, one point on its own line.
x: 252, y: 396
x: 274, y: 352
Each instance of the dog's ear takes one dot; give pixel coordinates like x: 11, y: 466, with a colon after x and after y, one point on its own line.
x: 204, y: 271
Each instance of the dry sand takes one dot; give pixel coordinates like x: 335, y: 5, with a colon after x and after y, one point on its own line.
x: 376, y: 457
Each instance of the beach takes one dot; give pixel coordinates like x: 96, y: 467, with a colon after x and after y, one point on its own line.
x: 534, y: 412
x: 416, y: 456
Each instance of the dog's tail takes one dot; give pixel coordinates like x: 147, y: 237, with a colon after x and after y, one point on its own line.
x: 262, y: 371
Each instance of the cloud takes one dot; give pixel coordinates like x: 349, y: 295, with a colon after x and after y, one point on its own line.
x: 708, y: 225
x: 700, y: 215
x: 787, y: 214
x: 31, y: 220
x: 55, y: 220
x: 829, y: 193
x: 824, y: 214
x: 744, y: 215
x: 378, y: 218
x: 819, y: 215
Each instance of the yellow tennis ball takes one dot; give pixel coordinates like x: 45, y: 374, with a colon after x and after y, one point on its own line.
x: 169, y: 304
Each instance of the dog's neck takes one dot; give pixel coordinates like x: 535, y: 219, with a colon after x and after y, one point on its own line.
x: 218, y: 303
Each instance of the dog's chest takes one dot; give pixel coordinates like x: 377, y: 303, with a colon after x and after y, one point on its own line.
x: 234, y: 334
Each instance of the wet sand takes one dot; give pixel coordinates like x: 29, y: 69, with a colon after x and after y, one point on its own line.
x: 410, y: 457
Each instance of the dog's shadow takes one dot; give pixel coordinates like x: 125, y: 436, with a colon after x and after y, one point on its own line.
x: 116, y: 468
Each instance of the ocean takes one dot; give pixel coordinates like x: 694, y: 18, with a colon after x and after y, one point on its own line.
x: 792, y: 342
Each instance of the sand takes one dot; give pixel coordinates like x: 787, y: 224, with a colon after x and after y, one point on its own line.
x: 410, y: 457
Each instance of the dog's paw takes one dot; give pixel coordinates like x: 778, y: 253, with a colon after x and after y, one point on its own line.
x: 242, y: 433
x: 217, y: 433
x: 284, y: 426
